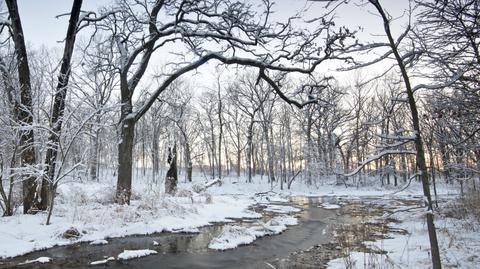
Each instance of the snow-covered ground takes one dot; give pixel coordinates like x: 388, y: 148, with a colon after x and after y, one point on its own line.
x: 459, y: 244
x: 88, y: 208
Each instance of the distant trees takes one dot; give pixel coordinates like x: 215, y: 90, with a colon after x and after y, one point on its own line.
x: 448, y: 34
x: 235, y: 27
x: 402, y: 59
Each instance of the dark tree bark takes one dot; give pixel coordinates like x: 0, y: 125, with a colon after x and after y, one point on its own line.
x: 24, y: 115
x: 56, y: 119
x: 187, y: 155
x: 125, y: 155
x: 172, y: 176
x: 94, y: 157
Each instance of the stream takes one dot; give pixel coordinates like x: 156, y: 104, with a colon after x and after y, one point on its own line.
x: 190, y: 250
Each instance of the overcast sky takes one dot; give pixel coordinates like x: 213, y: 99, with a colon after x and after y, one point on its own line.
x: 42, y: 28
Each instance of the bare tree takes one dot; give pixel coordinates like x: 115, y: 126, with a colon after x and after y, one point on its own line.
x: 235, y: 27
x: 56, y: 119
x: 23, y: 106
x: 402, y: 60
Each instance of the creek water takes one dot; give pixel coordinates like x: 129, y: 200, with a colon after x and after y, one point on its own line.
x: 183, y: 250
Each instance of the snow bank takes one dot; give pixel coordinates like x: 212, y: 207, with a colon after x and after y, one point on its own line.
x: 88, y: 206
x: 96, y: 218
x: 329, y: 206
x: 132, y: 254
x: 282, y: 209
x: 38, y: 260
x: 99, y: 242
x: 355, y: 260
x: 279, y: 224
x: 458, y: 245
x: 234, y: 236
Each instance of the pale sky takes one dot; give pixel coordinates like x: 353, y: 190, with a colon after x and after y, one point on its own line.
x: 42, y: 28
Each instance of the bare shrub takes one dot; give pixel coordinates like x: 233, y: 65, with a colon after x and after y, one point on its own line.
x: 465, y: 208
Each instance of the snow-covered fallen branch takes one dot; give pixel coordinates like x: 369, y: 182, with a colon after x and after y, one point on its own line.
x: 376, y: 157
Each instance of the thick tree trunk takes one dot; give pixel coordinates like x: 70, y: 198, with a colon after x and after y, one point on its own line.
x: 125, y: 155
x: 172, y: 176
x: 24, y: 108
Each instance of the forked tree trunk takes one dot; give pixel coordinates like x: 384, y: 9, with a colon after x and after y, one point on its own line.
x: 56, y: 119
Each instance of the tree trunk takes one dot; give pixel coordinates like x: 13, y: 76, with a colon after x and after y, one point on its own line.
x: 420, y: 156
x: 250, y: 150
x: 24, y: 108
x: 271, y: 175
x: 155, y: 158
x: 239, y: 160
x: 56, y: 119
x: 188, y: 161
x: 172, y: 176
x: 125, y: 151
x: 94, y: 158
x: 309, y: 148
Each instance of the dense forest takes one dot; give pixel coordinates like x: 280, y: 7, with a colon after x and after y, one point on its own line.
x: 171, y: 92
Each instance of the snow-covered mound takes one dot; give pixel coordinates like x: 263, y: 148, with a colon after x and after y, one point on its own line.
x: 233, y: 235
x: 99, y: 242
x: 132, y: 254
x: 329, y: 206
x: 282, y: 209
x: 39, y: 260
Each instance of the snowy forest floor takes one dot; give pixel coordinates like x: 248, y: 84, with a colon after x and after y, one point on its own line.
x: 392, y: 223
